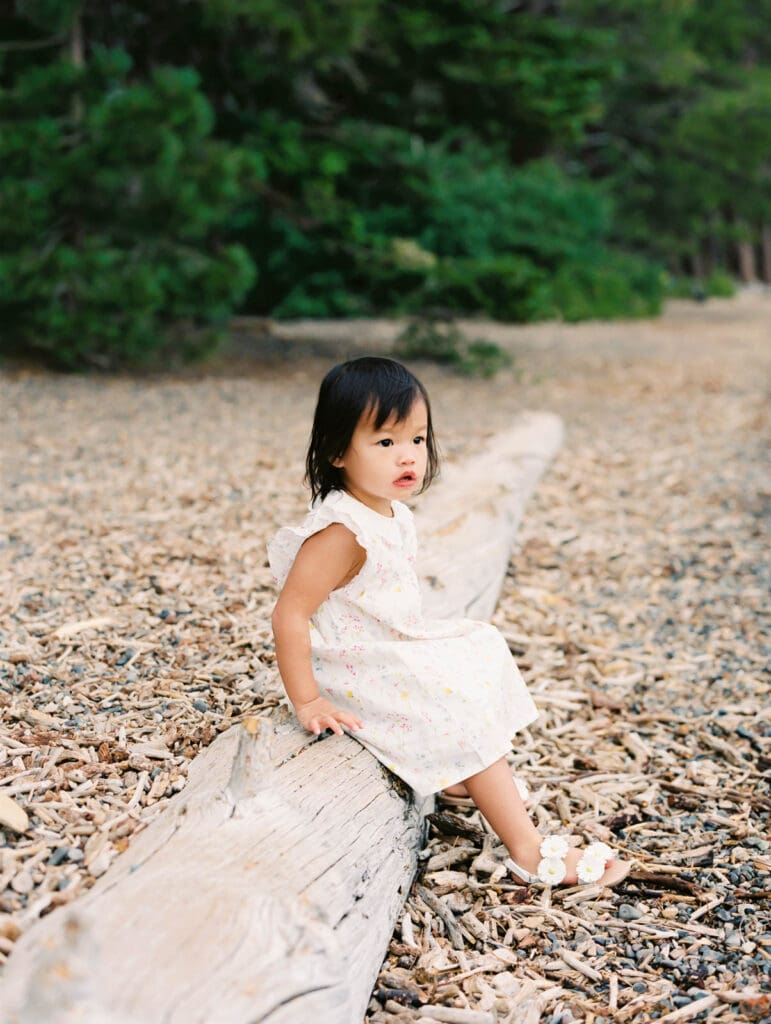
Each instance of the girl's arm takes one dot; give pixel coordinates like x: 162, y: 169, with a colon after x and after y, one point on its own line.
x: 326, y: 561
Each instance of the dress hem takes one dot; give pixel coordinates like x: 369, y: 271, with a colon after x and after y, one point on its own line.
x: 454, y: 778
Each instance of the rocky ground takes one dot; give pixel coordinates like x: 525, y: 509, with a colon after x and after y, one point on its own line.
x: 135, y: 602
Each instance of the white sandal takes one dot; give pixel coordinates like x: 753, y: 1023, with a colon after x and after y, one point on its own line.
x: 552, y: 868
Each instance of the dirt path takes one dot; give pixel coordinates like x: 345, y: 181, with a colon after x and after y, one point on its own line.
x: 634, y: 605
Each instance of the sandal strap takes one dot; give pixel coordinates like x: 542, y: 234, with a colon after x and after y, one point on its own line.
x: 520, y: 872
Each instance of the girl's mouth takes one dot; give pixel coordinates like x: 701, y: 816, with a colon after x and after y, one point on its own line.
x: 405, y: 480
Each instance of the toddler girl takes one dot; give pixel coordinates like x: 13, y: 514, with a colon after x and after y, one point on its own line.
x: 438, y: 701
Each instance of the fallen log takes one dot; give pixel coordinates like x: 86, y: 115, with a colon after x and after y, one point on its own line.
x: 269, y: 888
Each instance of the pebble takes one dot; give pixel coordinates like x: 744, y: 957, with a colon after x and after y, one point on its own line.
x: 758, y: 843
x: 628, y: 912
x: 711, y: 954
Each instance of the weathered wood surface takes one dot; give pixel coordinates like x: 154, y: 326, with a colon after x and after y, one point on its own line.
x: 471, y: 516
x: 269, y: 889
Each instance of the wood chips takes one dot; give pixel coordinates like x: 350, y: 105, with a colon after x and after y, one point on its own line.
x: 135, y: 626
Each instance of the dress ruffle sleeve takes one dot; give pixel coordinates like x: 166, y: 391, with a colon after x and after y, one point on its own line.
x: 283, y: 548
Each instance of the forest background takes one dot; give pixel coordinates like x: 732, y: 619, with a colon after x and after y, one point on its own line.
x: 163, y: 166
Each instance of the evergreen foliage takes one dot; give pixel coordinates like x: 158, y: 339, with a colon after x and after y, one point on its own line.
x: 684, y: 137
x: 162, y: 166
x: 112, y: 197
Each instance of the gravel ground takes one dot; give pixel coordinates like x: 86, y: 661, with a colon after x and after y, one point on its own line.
x: 135, y: 602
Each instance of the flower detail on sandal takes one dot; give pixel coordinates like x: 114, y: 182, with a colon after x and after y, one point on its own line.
x: 554, y: 846
x: 601, y: 850
x: 591, y: 867
x: 552, y: 869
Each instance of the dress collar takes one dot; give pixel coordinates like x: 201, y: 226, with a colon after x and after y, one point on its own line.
x: 365, y: 514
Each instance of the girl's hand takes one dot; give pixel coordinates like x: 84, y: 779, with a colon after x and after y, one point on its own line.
x: 320, y: 714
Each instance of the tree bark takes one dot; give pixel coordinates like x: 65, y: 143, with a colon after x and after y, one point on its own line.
x: 745, y: 251
x: 765, y: 253
x: 76, y: 56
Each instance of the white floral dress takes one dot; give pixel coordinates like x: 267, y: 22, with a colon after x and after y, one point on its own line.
x: 440, y: 699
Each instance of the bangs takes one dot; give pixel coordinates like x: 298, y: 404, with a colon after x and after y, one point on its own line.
x: 384, y: 404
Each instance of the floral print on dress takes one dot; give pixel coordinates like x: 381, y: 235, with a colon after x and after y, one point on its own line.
x: 440, y: 699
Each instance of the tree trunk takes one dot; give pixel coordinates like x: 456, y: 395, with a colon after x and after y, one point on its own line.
x: 765, y: 253
x: 716, y: 242
x: 76, y: 56
x: 697, y: 264
x: 745, y: 251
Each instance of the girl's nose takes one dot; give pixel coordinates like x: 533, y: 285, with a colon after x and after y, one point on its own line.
x: 407, y: 454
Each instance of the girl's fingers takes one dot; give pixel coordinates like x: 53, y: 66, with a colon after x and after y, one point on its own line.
x: 343, y: 718
x: 352, y: 722
x: 334, y: 721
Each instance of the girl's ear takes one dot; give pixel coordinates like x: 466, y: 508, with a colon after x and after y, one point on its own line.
x: 337, y: 463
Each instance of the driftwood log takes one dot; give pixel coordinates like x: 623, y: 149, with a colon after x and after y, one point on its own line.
x: 269, y: 889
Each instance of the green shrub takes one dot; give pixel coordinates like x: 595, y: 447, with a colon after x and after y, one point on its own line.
x: 607, y: 285
x: 720, y: 284
x: 506, y: 287
x: 401, y: 227
x: 110, y: 199
x: 442, y: 342
x: 678, y: 286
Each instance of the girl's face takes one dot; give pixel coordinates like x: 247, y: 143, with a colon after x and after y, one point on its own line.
x: 386, y: 463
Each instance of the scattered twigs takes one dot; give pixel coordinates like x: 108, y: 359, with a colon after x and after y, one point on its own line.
x: 136, y: 619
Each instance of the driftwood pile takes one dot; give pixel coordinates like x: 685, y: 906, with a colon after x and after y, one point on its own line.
x: 634, y: 607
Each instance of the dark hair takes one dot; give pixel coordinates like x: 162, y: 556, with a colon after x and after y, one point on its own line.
x: 346, y: 393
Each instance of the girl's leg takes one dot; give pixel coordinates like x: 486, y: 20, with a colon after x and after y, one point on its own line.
x: 496, y: 795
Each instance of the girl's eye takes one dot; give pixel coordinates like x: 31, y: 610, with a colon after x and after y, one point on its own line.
x: 419, y: 439
x: 386, y: 442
